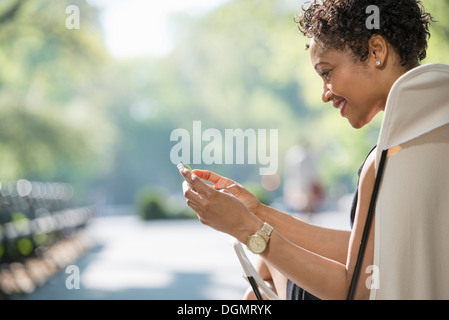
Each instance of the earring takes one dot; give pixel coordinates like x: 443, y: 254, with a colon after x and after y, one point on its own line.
x: 378, y: 63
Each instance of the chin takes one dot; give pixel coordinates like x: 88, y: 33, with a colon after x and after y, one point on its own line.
x: 357, y: 125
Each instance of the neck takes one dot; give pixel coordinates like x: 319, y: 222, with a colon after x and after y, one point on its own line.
x: 392, y: 77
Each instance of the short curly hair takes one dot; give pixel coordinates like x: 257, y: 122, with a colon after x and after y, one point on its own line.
x: 341, y: 24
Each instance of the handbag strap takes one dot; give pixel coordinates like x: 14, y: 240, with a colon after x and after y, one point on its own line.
x: 368, y: 222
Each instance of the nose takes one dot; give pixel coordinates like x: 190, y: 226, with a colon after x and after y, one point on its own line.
x: 326, y: 95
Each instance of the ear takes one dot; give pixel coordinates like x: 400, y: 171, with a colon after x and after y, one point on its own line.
x: 378, y: 50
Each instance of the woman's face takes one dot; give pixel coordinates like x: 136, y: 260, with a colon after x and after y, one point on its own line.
x: 353, y: 87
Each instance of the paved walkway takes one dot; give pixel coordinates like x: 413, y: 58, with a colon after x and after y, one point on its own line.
x: 157, y: 260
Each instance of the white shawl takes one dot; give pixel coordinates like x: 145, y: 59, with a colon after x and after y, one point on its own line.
x: 411, y: 250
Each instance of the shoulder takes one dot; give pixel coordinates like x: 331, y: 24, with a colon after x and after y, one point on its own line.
x: 368, y: 173
x: 370, y: 160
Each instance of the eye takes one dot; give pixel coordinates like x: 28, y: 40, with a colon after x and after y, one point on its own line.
x: 325, y: 75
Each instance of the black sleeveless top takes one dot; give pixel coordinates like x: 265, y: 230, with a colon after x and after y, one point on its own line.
x: 297, y: 293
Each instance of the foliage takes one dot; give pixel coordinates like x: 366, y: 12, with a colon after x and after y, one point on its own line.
x: 244, y: 66
x: 50, y: 127
x: 151, y: 204
x: 439, y: 40
x: 73, y: 113
x: 261, y: 194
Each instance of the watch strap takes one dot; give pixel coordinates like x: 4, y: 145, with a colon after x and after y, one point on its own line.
x: 265, y: 231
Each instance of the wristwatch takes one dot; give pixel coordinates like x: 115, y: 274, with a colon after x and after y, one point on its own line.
x: 258, y: 242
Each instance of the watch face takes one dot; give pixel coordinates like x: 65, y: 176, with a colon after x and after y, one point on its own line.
x: 256, y: 243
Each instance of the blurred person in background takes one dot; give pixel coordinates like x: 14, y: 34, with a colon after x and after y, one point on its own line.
x: 302, y: 191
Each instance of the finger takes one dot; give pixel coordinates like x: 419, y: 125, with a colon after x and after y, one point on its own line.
x: 187, y: 174
x: 235, y: 189
x: 193, y: 206
x: 217, y: 180
x: 226, y: 191
x: 208, y: 175
x: 197, y: 209
x: 223, y: 190
x: 190, y: 194
x: 195, y: 182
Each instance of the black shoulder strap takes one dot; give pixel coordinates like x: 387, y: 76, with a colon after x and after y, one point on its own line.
x: 354, y: 200
x: 369, y: 219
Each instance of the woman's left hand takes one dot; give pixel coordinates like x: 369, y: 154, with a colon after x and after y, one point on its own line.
x: 219, y: 210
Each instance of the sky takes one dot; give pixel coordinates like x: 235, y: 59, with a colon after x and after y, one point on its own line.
x: 140, y: 27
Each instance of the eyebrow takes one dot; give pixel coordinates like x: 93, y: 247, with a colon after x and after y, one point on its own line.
x: 320, y: 63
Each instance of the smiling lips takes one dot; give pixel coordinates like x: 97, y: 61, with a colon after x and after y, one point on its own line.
x: 341, y: 105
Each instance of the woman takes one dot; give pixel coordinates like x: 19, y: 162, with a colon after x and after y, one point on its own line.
x: 358, y: 65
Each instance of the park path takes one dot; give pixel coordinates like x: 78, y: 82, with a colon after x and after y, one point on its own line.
x: 156, y: 260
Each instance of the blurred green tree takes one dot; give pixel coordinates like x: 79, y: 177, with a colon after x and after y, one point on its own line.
x: 245, y: 66
x: 73, y: 113
x: 52, y: 128
x: 240, y: 66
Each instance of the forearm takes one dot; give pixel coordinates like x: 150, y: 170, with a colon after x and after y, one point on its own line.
x: 329, y: 243
x: 323, y: 277
x: 311, y: 262
x: 317, y: 273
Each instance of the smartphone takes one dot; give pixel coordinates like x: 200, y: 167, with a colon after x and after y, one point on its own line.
x: 185, y: 166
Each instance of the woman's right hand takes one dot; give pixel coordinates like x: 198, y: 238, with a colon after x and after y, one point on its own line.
x: 227, y: 185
